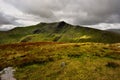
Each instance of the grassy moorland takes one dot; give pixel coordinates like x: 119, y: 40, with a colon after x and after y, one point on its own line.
x: 43, y: 61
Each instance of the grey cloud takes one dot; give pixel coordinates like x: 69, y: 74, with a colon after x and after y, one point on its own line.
x: 3, y: 19
x: 6, y: 19
x: 84, y: 12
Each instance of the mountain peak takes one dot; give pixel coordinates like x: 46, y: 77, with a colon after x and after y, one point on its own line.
x: 60, y: 22
x: 63, y: 22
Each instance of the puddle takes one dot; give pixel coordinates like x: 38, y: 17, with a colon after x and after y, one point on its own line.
x: 7, y: 74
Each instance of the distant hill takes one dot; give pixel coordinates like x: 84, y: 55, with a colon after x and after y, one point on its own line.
x: 57, y: 32
x: 115, y: 30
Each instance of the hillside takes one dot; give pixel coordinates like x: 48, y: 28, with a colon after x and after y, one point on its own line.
x: 57, y: 32
x: 114, y: 30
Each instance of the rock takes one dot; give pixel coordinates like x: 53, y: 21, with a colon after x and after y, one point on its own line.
x: 63, y: 64
x: 1, y: 72
x: 7, y: 74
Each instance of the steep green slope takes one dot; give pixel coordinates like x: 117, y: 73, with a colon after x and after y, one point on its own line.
x: 58, y: 32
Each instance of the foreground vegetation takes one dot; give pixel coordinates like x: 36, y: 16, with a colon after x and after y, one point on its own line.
x: 62, y: 61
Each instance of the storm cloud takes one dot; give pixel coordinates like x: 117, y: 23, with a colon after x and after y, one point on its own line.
x: 5, y: 19
x: 100, y: 14
x: 83, y: 12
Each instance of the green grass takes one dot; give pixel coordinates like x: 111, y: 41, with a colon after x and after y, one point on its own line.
x: 42, y: 60
x: 52, y: 32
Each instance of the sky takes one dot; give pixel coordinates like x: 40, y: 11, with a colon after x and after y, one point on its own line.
x: 100, y: 14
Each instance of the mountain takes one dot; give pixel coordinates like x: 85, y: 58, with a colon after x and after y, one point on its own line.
x: 114, y: 30
x: 57, y: 32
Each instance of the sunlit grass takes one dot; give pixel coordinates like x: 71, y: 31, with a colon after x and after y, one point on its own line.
x: 42, y: 60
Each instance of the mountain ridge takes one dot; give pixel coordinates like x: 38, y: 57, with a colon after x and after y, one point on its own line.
x: 57, y: 32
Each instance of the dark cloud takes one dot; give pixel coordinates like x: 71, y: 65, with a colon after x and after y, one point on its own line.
x: 3, y: 19
x: 84, y: 12
x: 6, y: 19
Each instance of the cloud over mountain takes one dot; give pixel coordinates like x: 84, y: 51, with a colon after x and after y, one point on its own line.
x: 84, y: 12
x: 80, y: 12
x: 5, y: 19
